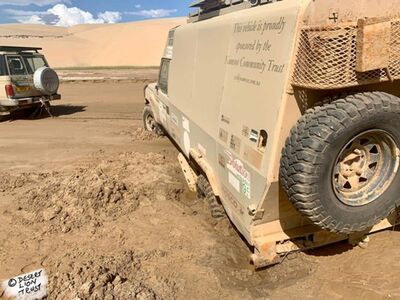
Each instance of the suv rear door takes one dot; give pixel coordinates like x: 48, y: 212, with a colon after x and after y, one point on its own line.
x: 21, y: 76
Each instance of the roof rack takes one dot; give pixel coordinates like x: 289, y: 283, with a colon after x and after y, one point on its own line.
x: 213, y: 5
x: 212, y: 8
x: 19, y: 49
x: 210, y: 4
x: 203, y: 3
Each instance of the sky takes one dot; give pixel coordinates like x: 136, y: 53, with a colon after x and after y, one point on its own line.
x: 74, y: 12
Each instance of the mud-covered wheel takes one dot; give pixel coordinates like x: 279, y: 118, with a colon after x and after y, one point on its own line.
x: 150, y: 123
x: 205, y: 191
x: 340, y: 164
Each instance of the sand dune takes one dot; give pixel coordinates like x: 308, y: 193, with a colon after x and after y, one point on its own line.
x: 123, y: 44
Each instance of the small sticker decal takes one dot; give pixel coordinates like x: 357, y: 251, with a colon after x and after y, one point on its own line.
x: 235, y: 143
x: 234, y: 181
x: 245, y: 131
x: 225, y: 119
x: 223, y: 135
x: 238, y: 170
x: 254, y: 136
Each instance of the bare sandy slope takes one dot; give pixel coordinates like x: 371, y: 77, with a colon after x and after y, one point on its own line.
x: 123, y: 44
x: 104, y: 209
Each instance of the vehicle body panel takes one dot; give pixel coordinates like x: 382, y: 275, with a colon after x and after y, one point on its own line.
x: 231, y: 100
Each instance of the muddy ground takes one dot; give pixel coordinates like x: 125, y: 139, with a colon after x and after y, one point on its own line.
x: 104, y: 209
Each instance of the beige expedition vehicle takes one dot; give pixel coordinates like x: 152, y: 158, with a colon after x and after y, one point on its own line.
x: 27, y: 79
x: 288, y: 114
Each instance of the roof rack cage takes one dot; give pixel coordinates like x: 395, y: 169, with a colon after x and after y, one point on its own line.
x: 19, y: 49
x: 212, y: 8
x: 210, y: 5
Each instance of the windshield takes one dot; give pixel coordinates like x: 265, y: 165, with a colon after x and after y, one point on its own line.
x: 34, y: 62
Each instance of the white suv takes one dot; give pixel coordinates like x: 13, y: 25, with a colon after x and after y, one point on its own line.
x: 27, y: 79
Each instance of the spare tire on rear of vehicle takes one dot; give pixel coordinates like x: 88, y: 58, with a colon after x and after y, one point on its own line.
x: 340, y: 164
x: 46, y: 80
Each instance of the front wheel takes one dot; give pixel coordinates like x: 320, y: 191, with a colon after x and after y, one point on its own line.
x: 150, y: 123
x: 340, y: 165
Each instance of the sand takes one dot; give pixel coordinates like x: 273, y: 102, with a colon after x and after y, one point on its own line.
x: 123, y: 44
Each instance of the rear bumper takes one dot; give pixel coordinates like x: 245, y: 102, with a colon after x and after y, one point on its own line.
x: 22, y: 102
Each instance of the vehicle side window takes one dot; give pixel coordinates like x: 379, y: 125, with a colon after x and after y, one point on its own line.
x: 15, y: 65
x: 163, y: 78
x: 171, y: 35
x: 3, y: 69
x: 34, y: 62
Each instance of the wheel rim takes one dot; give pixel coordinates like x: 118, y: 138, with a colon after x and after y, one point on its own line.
x: 365, y: 168
x: 150, y: 123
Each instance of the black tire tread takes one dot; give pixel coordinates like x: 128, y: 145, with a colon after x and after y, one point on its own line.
x: 301, y: 156
x: 158, y: 130
x: 205, y: 191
